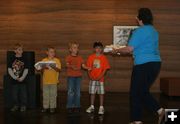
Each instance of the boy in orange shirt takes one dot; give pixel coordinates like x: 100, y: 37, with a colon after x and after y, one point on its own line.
x: 99, y: 65
x: 74, y: 64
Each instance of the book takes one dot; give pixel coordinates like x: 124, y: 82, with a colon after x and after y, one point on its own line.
x: 109, y: 48
x: 41, y: 64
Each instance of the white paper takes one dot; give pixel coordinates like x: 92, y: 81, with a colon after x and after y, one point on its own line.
x: 39, y: 65
x: 109, y: 48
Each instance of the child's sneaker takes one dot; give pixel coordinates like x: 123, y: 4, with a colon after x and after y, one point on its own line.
x: 23, y: 109
x: 77, y: 110
x: 101, y: 110
x: 70, y: 110
x: 90, y: 109
x: 136, y: 122
x: 52, y: 110
x: 44, y: 110
x: 15, y: 108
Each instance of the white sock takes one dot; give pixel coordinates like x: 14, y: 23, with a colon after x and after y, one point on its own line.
x: 101, y: 107
x: 160, y: 111
x: 92, y: 106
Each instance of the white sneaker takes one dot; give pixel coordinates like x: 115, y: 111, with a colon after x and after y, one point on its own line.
x: 101, y: 110
x: 136, y: 122
x: 90, y: 109
x: 161, y: 113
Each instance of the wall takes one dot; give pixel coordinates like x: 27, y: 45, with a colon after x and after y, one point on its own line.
x: 37, y: 24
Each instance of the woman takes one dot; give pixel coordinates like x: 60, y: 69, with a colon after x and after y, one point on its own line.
x: 147, y: 63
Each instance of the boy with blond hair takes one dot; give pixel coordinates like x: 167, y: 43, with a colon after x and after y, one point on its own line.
x: 74, y: 64
x: 50, y: 80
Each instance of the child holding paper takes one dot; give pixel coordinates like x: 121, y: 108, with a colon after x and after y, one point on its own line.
x: 50, y: 80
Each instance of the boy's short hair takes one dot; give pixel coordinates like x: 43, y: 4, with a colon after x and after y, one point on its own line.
x: 73, y: 43
x: 17, y: 45
x: 50, y: 47
x: 97, y: 44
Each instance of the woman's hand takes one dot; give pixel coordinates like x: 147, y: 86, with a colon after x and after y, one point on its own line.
x: 114, y: 51
x: 124, y: 50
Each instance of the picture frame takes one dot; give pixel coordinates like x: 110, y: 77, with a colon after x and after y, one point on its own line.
x: 122, y: 34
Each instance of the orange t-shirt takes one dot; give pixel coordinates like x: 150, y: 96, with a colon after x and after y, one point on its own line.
x: 75, y: 61
x: 98, y: 65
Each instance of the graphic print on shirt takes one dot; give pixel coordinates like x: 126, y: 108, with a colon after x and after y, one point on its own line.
x: 96, y: 63
x: 18, y: 67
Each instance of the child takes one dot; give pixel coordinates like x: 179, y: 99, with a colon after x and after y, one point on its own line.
x: 50, y: 81
x: 18, y: 71
x: 74, y: 62
x: 99, y: 64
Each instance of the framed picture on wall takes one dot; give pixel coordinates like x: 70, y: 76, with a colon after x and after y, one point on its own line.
x: 122, y: 34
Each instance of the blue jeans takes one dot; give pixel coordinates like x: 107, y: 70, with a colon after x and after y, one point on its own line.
x: 74, y: 89
x: 143, y: 76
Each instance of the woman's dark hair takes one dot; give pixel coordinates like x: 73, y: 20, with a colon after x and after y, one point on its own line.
x: 145, y: 15
x: 97, y: 44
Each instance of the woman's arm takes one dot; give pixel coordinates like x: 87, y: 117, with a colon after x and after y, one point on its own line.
x: 124, y: 50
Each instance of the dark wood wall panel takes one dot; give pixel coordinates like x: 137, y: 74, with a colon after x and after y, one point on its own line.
x: 37, y: 24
